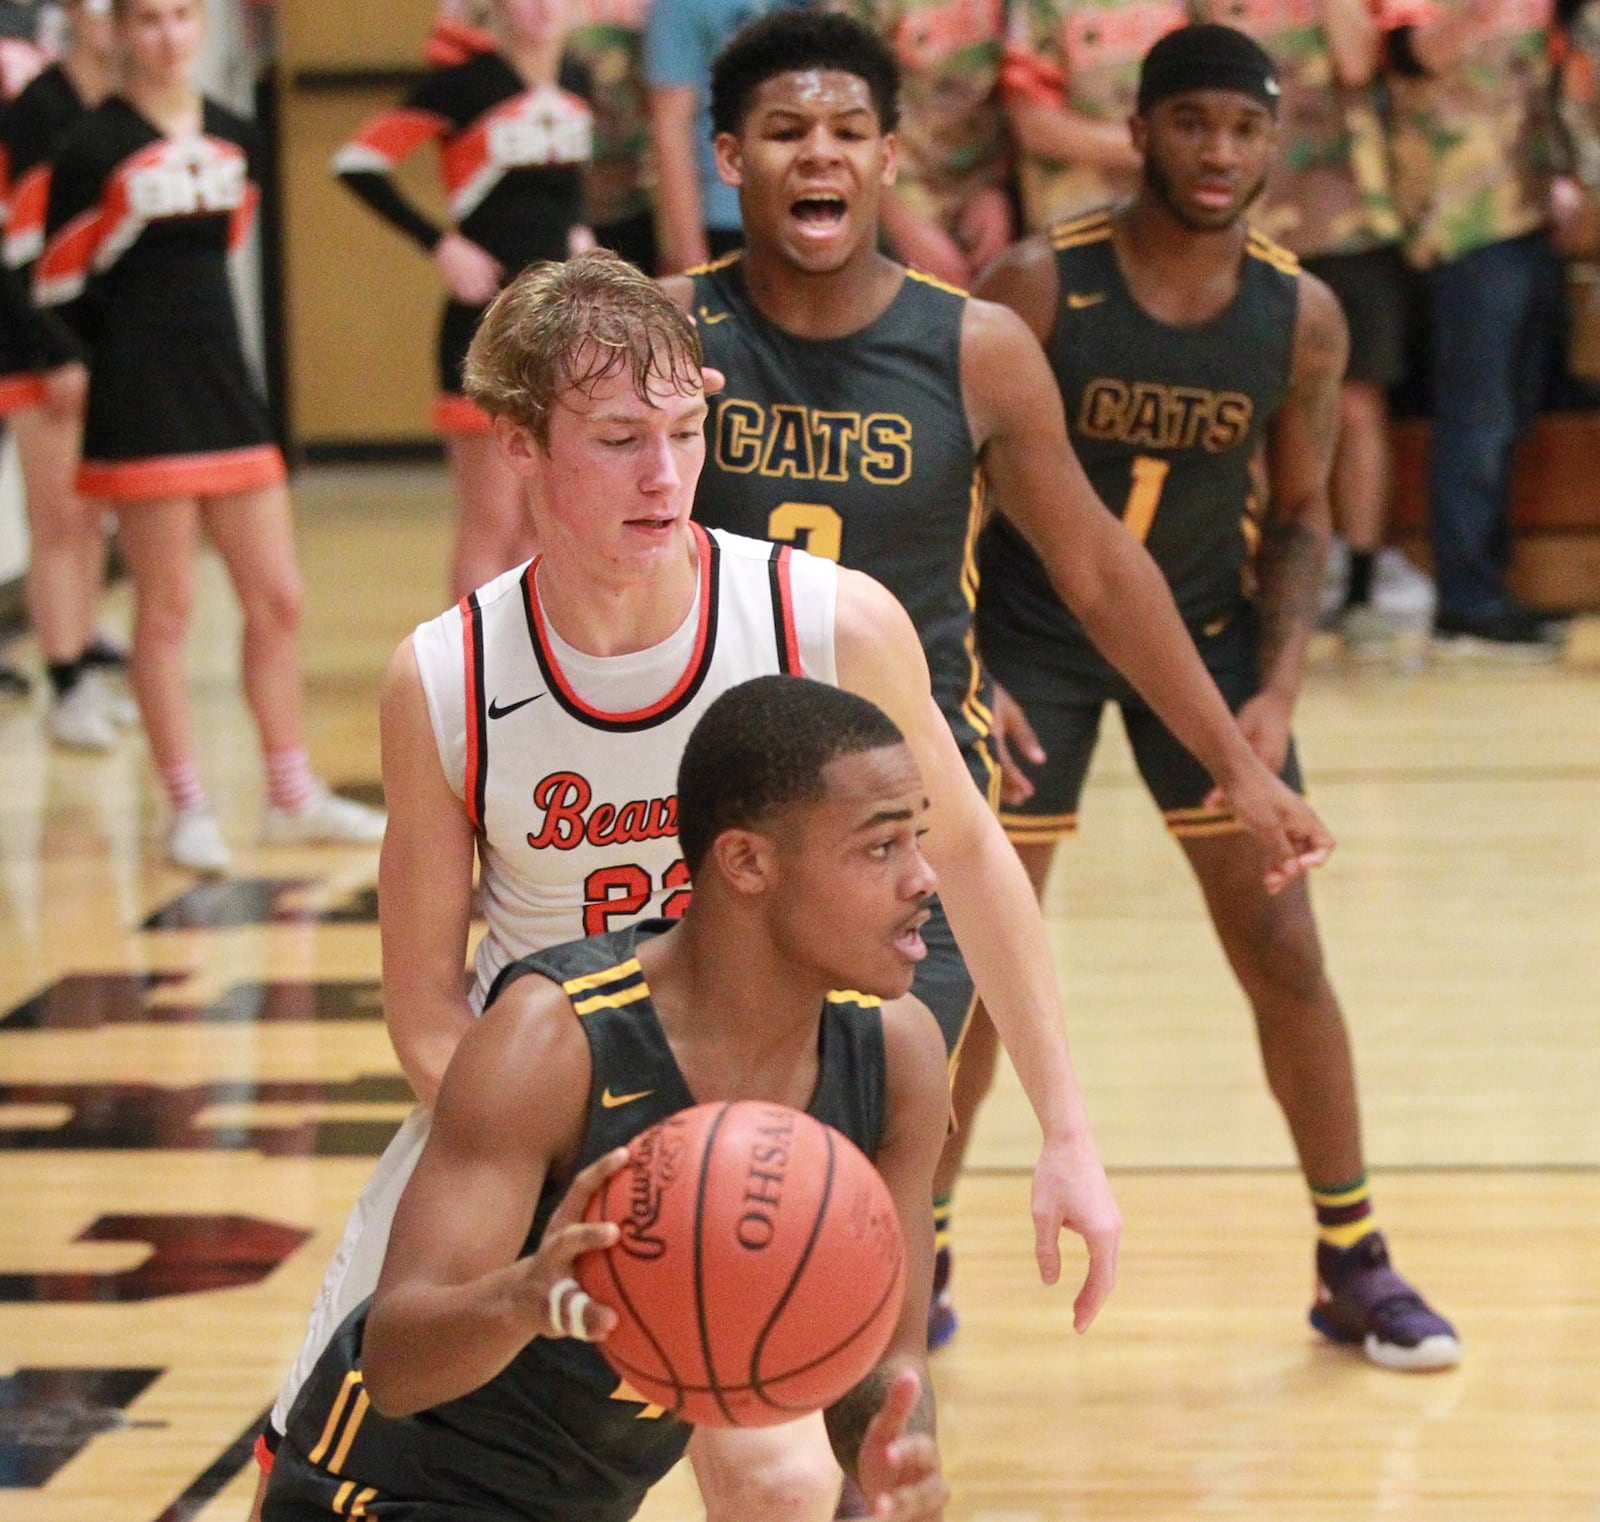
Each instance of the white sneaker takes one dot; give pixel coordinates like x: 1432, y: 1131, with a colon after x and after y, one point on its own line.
x: 1402, y: 590
x: 196, y: 842
x: 79, y: 721
x: 118, y: 705
x: 327, y: 819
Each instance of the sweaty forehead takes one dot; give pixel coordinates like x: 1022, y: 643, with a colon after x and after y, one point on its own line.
x: 870, y: 780
x: 596, y: 389
x: 830, y: 90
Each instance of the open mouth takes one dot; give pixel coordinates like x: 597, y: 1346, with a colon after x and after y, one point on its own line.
x: 909, y: 942
x: 819, y: 213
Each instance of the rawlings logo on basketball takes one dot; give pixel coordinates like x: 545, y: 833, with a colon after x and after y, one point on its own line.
x: 652, y: 1167
x: 763, y: 1180
x: 773, y: 1270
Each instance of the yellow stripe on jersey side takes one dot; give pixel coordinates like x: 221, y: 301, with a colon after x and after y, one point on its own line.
x: 973, y: 709
x: 936, y: 282
x: 352, y: 1380
x: 353, y: 1426
x: 640, y: 990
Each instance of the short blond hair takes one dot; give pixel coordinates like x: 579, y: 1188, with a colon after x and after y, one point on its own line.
x: 570, y: 325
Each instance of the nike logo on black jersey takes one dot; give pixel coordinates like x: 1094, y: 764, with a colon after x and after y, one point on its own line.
x: 1078, y: 300
x: 497, y: 712
x: 712, y: 319
x: 610, y: 1101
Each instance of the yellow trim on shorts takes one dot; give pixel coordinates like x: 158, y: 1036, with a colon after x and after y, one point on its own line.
x: 1198, y: 824
x: 613, y: 974
x: 611, y: 1001
x: 1037, y: 829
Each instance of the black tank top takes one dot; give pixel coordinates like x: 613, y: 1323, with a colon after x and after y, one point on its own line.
x: 855, y: 448
x: 556, y: 1437
x: 1166, y: 421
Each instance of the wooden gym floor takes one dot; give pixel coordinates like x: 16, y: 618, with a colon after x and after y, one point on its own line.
x: 194, y: 1080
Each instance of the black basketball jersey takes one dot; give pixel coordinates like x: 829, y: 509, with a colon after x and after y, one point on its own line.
x: 855, y: 448
x: 1166, y: 421
x: 556, y: 1436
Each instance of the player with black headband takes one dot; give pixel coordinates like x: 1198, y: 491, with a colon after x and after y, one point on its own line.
x: 867, y: 404
x: 1184, y: 344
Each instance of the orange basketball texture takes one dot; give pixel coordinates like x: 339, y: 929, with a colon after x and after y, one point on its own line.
x: 760, y: 1270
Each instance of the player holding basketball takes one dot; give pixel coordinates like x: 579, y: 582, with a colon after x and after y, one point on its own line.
x: 1183, y: 342
x: 538, y: 727
x: 865, y: 406
x: 800, y: 809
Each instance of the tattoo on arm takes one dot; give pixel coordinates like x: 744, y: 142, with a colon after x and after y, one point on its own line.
x: 1293, y: 545
x: 847, y: 1418
x: 1289, y: 573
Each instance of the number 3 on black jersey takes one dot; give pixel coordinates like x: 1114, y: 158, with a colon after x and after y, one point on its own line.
x: 813, y: 526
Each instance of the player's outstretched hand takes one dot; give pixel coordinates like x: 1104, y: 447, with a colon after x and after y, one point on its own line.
x: 1071, y: 1191
x: 559, y: 1306
x: 1295, y: 838
x: 898, y: 1471
x: 1013, y: 736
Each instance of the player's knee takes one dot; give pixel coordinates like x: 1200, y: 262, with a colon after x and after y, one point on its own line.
x: 801, y: 1483
x: 1283, y: 961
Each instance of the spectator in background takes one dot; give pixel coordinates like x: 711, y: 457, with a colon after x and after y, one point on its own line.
x: 1071, y: 71
x: 1575, y: 203
x: 513, y: 127
x: 1477, y: 149
x: 1328, y: 201
x: 20, y: 59
x: 697, y: 216
x: 43, y: 384
x: 950, y: 213
x: 608, y: 39
x: 176, y: 438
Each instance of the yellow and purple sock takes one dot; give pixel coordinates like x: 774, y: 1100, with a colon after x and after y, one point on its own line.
x: 1344, y: 1212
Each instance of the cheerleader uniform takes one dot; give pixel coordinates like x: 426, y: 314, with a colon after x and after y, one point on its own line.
x: 138, y: 230
x: 513, y: 161
x: 30, y: 342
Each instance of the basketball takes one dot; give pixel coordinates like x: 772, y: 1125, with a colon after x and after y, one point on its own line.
x: 760, y: 1270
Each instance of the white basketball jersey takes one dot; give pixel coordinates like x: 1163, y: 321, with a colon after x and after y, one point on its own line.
x: 566, y: 763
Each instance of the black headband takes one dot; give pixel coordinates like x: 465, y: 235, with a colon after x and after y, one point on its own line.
x: 1207, y: 57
